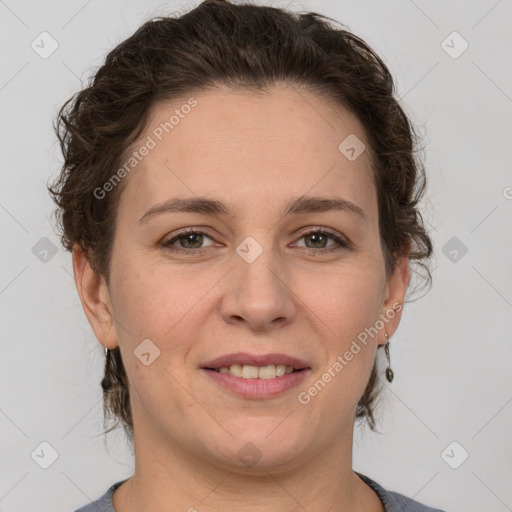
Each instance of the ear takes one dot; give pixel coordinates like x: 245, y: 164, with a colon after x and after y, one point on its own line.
x: 393, y: 305
x: 95, y: 298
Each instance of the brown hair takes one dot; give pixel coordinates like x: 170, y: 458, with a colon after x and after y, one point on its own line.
x: 241, y: 46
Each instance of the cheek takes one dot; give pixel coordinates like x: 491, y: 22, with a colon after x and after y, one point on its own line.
x: 156, y: 300
x: 156, y: 303
x: 346, y: 310
x: 347, y: 300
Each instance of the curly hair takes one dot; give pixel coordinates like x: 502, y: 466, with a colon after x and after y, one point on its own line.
x: 243, y: 46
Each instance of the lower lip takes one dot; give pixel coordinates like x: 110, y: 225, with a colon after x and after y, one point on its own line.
x: 257, y: 388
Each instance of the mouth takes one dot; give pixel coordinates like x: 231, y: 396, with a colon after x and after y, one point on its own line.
x: 253, y: 376
x: 246, y: 371
x: 252, y: 366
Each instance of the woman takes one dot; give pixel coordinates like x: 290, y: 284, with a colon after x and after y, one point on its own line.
x: 240, y: 194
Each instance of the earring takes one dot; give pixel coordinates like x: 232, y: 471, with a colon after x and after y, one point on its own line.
x: 106, y: 383
x: 389, y: 372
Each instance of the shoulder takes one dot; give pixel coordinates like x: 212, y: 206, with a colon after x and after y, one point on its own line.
x: 395, y: 502
x: 104, y: 503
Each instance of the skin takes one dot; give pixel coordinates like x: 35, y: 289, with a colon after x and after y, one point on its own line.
x: 254, y: 152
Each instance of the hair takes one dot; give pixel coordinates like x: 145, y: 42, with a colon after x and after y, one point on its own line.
x: 241, y: 46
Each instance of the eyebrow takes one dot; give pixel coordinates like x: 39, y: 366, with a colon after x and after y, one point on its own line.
x: 301, y: 205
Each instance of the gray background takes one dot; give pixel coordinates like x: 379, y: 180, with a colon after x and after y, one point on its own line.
x: 452, y: 353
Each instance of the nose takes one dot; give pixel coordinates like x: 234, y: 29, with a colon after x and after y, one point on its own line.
x: 258, y: 294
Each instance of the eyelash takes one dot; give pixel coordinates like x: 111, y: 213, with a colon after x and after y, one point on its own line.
x: 342, y: 243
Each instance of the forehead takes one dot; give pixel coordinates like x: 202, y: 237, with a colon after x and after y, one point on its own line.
x: 250, y: 148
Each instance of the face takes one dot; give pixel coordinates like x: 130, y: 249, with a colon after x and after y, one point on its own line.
x: 257, y: 274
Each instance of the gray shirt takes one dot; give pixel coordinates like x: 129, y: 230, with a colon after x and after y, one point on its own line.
x: 392, y: 501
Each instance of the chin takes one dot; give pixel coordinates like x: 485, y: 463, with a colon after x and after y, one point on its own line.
x: 259, y: 445
x: 255, y: 459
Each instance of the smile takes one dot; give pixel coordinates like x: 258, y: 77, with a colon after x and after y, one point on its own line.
x: 256, y: 375
x: 245, y: 371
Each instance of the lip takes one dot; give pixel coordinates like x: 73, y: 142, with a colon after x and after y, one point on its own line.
x: 244, y: 358
x: 257, y: 388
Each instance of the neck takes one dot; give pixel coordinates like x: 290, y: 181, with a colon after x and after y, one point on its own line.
x: 166, y: 474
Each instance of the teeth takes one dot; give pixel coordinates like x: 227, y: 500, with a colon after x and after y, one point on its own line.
x: 235, y: 370
x: 249, y: 372
x: 267, y: 372
x: 256, y: 372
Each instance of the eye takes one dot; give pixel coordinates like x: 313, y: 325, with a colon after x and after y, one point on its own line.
x: 190, y: 241
x: 319, y: 237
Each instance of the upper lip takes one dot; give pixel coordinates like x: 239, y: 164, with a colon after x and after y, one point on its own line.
x: 243, y: 358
